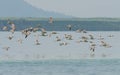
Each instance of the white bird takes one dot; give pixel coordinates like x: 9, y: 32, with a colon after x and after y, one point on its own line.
x: 69, y: 27
x: 6, y: 48
x: 5, y: 28
x: 10, y: 37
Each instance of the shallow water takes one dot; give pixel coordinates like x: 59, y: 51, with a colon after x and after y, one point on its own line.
x: 61, y: 67
x: 49, y: 48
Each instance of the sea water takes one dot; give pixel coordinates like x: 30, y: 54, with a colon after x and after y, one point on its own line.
x: 61, y: 67
x: 62, y: 25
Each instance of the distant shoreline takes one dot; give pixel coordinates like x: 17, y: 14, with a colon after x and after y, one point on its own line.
x: 61, y: 19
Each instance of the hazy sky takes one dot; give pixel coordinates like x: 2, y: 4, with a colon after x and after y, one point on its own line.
x: 80, y: 8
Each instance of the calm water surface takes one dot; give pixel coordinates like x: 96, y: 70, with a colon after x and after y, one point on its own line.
x: 61, y: 67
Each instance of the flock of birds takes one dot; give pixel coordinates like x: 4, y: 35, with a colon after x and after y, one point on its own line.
x: 28, y: 31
